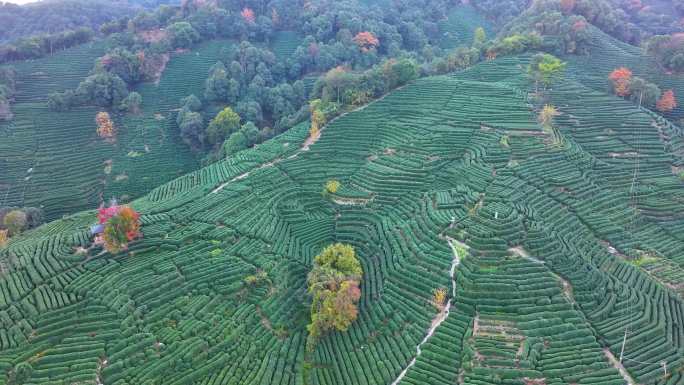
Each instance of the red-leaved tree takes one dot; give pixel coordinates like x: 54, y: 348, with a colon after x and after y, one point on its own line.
x: 667, y: 102
x: 621, y: 79
x: 248, y: 15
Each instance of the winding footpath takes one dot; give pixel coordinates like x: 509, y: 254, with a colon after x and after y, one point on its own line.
x: 442, y: 316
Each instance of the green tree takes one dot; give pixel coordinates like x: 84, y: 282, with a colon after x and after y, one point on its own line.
x: 545, y: 69
x: 236, y: 142
x: 124, y: 64
x: 334, y: 285
x: 15, y: 221
x: 644, y: 92
x: 183, y: 35
x: 225, y: 123
x: 479, y: 38
x: 399, y: 72
x: 101, y: 89
x: 191, y: 122
x: 132, y: 103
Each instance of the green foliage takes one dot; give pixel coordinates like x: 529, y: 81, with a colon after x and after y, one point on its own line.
x: 334, y: 285
x: 33, y: 47
x: 219, y: 86
x: 122, y: 63
x: 400, y: 72
x: 102, y: 89
x: 514, y: 44
x: 643, y: 92
x: 15, y: 221
x: 479, y: 38
x: 246, y: 137
x: 257, y: 279
x: 32, y: 218
x: 222, y: 126
x: 191, y: 122
x: 504, y: 141
x: 546, y: 69
x: 132, y: 103
x: 183, y: 35
x: 332, y: 186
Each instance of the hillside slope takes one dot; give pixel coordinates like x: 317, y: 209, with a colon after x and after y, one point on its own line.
x: 607, y: 53
x: 57, y: 161
x: 552, y: 277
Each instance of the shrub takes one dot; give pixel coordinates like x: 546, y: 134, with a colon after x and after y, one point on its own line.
x: 132, y: 103
x: 332, y: 186
x: 256, y: 279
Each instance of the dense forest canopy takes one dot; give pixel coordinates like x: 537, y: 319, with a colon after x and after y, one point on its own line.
x: 52, y: 16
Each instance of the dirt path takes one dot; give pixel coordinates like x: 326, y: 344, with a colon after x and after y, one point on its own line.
x: 519, y: 251
x: 619, y: 367
x: 443, y: 314
x: 565, y: 285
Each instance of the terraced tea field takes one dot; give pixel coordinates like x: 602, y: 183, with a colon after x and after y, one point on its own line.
x: 458, y: 29
x: 607, y: 53
x: 548, y: 245
x: 285, y: 43
x: 55, y: 159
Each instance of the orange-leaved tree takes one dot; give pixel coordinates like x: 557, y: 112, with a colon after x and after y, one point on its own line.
x: 105, y: 126
x: 366, y: 41
x: 248, y: 15
x: 4, y: 235
x: 120, y: 227
x: 621, y: 79
x: 667, y: 102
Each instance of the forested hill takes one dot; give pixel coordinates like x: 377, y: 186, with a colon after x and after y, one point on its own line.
x: 142, y: 75
x: 53, y: 16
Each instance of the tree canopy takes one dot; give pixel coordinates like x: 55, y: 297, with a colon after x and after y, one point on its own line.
x: 222, y: 126
x: 545, y: 69
x: 334, y: 284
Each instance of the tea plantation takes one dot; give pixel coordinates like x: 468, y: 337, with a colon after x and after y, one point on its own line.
x: 56, y: 160
x: 561, y: 247
x: 606, y: 54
